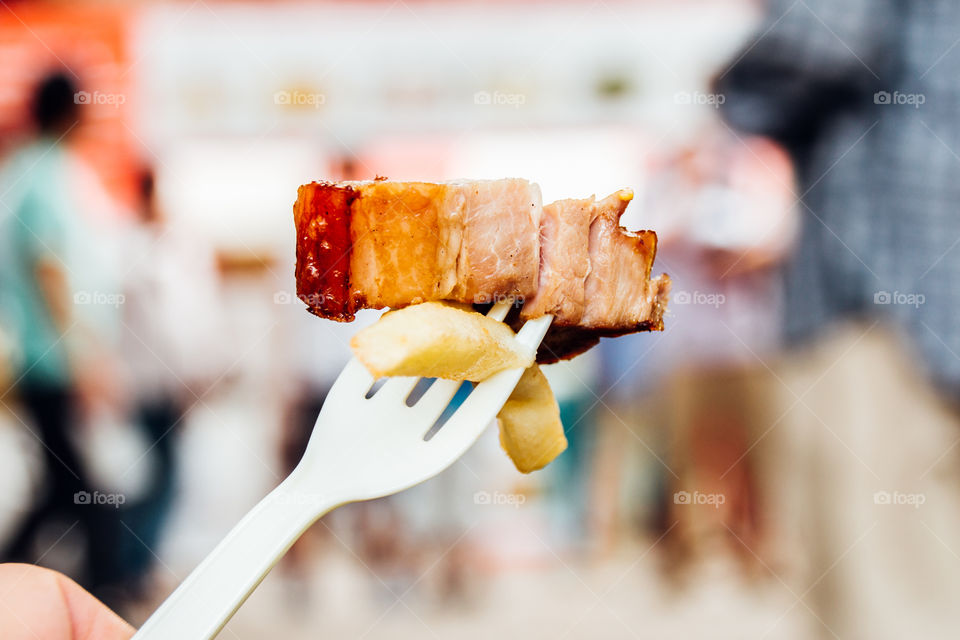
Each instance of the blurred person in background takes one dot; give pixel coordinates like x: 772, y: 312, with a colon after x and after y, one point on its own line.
x: 64, y: 369
x: 699, y: 402
x: 865, y: 95
x: 170, y: 285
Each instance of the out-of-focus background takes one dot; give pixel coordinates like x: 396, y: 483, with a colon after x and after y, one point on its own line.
x: 158, y: 375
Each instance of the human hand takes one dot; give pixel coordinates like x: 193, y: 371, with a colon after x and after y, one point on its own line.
x: 40, y: 604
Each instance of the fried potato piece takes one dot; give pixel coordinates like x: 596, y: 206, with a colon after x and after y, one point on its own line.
x: 530, y: 429
x: 443, y: 340
x: 437, y: 340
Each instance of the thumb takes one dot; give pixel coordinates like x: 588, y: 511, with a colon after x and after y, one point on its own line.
x: 40, y: 604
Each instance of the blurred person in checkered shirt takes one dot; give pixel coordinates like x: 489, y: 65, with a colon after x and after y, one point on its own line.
x: 865, y: 94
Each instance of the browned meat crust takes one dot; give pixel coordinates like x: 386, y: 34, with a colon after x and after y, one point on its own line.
x: 391, y: 244
x: 322, y: 218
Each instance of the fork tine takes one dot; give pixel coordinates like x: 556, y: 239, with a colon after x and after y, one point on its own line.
x: 355, y: 379
x: 397, y: 389
x: 439, y: 395
x: 532, y: 331
x: 435, y: 400
x: 486, y: 399
x: 475, y: 414
x: 441, y: 392
x: 499, y: 311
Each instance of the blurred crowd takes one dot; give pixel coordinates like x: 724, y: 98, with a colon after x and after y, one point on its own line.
x: 794, y: 424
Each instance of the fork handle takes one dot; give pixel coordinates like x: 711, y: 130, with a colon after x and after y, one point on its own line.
x: 212, y: 593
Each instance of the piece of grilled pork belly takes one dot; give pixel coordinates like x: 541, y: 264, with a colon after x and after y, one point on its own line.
x: 381, y: 243
x: 594, y: 276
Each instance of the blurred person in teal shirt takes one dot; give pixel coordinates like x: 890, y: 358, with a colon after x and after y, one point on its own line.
x: 59, y: 370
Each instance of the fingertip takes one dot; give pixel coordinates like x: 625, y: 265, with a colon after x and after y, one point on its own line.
x: 46, y: 604
x: 90, y: 619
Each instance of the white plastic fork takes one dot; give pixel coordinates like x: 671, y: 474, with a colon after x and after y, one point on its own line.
x: 361, y: 448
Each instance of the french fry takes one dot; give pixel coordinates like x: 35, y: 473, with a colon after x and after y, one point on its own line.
x: 437, y: 340
x: 441, y: 340
x: 530, y: 429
